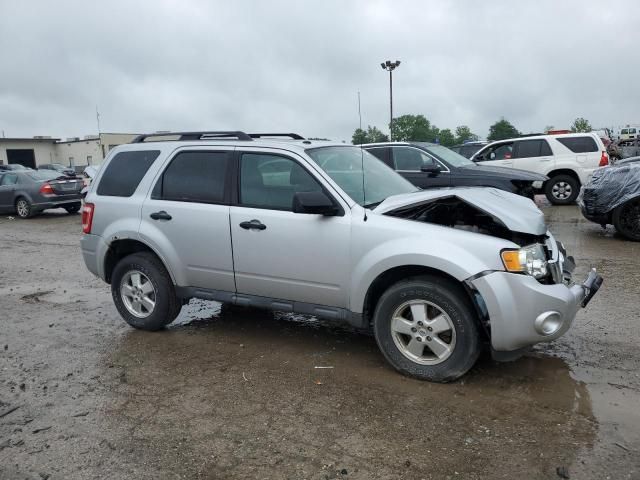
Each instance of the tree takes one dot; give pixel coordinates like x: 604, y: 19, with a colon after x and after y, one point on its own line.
x: 371, y: 135
x: 359, y: 137
x: 414, y: 128
x: 581, y: 125
x: 446, y: 138
x: 502, y: 129
x: 464, y: 134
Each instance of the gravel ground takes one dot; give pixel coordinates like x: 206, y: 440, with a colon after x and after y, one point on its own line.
x: 229, y: 393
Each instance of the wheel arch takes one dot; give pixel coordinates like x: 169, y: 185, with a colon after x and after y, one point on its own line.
x: 564, y: 171
x: 395, y: 274
x: 118, y: 249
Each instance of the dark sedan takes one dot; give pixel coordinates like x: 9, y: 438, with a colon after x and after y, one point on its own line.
x: 428, y: 165
x: 27, y: 192
x: 58, y: 167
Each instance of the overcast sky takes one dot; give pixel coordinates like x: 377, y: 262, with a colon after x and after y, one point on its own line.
x: 298, y: 65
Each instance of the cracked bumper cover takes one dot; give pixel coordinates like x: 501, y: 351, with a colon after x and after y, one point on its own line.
x: 519, y: 305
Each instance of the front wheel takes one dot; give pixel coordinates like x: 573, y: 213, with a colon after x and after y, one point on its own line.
x: 426, y: 328
x: 562, y: 189
x: 143, y: 292
x: 626, y: 219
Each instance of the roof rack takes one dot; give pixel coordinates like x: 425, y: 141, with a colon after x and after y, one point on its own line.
x: 294, y: 136
x: 525, y: 135
x: 219, y: 135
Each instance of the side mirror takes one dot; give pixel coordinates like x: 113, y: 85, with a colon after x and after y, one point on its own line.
x: 492, y: 156
x: 314, y: 202
x: 431, y: 169
x: 478, y: 158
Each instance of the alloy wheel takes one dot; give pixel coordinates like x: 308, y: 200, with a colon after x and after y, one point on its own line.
x: 423, y: 332
x: 561, y: 190
x: 138, y: 294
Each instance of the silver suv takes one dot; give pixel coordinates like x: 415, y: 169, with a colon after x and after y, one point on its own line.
x: 326, y: 229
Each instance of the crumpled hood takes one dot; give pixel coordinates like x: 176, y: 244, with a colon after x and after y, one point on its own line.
x: 517, y: 213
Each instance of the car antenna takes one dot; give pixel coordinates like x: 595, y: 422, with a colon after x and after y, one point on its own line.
x: 364, y: 194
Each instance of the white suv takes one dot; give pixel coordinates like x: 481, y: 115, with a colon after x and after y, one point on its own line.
x: 568, y: 160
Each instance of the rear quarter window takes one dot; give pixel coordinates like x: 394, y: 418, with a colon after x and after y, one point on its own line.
x: 124, y: 172
x: 579, y: 144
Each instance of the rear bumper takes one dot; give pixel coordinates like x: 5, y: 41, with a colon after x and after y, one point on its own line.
x: 43, y: 202
x: 94, y: 251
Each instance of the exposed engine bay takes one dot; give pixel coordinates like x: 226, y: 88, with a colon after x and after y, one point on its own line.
x: 452, y: 211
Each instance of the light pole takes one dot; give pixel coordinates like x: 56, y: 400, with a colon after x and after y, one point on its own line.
x: 390, y: 67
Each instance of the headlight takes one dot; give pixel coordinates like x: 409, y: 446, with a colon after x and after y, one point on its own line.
x: 530, y: 259
x: 537, y: 184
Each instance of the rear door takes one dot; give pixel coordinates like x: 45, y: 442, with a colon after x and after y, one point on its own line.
x: 187, y: 217
x: 408, y: 162
x: 7, y: 187
x: 533, y: 155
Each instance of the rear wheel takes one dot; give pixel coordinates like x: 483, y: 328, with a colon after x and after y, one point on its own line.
x: 143, y: 292
x: 626, y: 219
x: 426, y: 328
x: 23, y: 208
x: 562, y: 189
x: 73, y: 208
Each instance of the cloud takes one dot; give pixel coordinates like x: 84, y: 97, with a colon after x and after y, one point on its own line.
x: 298, y: 65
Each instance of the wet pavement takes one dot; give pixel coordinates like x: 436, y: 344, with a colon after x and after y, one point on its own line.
x: 232, y: 393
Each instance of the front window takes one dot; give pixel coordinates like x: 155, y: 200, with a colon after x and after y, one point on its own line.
x: 448, y: 156
x: 345, y: 167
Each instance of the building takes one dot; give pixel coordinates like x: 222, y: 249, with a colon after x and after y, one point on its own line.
x: 75, y: 152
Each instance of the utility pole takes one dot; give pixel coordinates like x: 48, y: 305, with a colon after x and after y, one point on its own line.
x: 99, y: 134
x: 359, y: 111
x: 390, y: 67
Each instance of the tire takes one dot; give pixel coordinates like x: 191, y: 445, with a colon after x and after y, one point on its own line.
x: 626, y: 219
x: 129, y: 294
x: 23, y: 208
x: 73, y: 208
x: 562, y: 189
x: 462, y: 338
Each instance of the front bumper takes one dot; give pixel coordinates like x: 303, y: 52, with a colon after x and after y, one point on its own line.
x: 522, y: 311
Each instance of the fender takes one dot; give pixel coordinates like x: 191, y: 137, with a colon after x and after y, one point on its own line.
x: 436, y: 247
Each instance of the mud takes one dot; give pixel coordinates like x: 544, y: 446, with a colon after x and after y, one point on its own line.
x: 232, y: 393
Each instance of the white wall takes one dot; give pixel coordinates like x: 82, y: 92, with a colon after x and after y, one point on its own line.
x: 44, y: 152
x: 84, y: 152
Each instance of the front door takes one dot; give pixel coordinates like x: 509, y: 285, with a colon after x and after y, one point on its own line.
x: 499, y: 155
x: 187, y: 218
x: 279, y: 254
x: 409, y: 161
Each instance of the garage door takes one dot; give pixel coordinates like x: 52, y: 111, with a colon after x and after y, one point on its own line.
x: 23, y: 156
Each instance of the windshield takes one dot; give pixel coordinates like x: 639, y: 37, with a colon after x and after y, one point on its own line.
x: 39, y: 175
x: 344, y: 166
x: 448, y: 156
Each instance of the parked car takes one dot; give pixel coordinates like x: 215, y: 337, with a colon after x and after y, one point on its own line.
x: 568, y: 160
x: 28, y: 192
x: 58, y: 167
x: 613, y: 197
x: 428, y: 165
x: 326, y: 229
x: 12, y: 167
x: 468, y: 149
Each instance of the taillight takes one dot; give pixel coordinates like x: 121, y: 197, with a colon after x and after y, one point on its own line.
x: 87, y: 217
x: 46, y: 189
x: 604, y: 159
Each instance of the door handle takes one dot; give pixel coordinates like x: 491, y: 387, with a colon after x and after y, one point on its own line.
x: 253, y: 225
x: 161, y: 215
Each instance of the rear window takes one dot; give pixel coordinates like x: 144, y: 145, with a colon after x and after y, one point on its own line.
x: 124, y: 172
x: 194, y: 177
x: 579, y: 144
x: 39, y: 175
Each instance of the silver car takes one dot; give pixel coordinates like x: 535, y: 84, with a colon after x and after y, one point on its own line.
x: 327, y: 229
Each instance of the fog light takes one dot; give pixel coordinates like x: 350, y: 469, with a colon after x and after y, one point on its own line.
x: 548, y: 323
